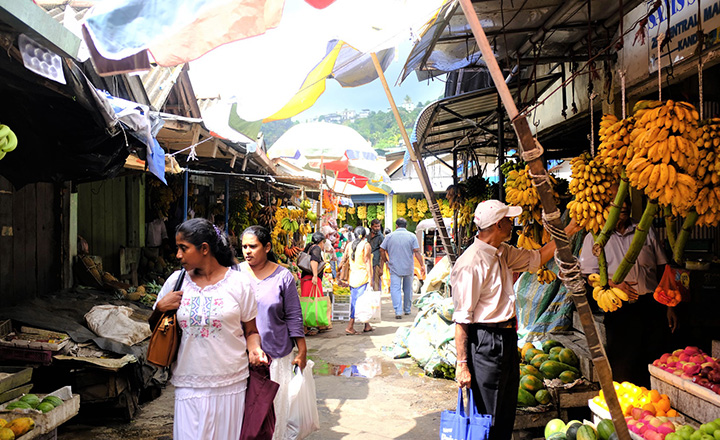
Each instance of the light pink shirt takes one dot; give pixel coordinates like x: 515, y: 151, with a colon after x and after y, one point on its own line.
x: 482, y: 281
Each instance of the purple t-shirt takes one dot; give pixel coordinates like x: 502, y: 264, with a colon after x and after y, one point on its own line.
x: 279, y: 316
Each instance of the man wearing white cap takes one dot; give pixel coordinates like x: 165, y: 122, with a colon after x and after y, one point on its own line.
x: 485, y: 334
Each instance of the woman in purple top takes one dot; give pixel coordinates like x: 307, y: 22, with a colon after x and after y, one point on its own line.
x: 279, y: 319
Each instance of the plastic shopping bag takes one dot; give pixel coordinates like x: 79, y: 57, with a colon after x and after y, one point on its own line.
x: 673, y: 287
x: 457, y: 425
x: 303, y: 418
x: 367, y: 306
x: 315, y: 309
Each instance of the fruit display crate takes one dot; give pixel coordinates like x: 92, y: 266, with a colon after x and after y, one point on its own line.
x: 35, y: 338
x: 341, y: 308
x: 600, y: 413
x: 692, y: 400
x: 14, y: 382
x: 46, y: 422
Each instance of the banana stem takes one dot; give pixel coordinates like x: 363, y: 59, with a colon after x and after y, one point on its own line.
x: 638, y: 241
x: 670, y: 226
x: 602, y: 265
x: 682, y: 238
x: 614, y: 214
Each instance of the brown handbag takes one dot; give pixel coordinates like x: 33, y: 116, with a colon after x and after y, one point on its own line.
x: 165, y: 340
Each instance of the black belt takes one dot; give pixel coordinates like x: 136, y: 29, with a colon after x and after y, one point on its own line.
x: 510, y: 323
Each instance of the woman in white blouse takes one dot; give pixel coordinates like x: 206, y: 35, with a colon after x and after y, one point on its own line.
x: 216, y: 311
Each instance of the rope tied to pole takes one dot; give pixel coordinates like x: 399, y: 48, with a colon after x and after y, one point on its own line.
x: 570, y: 275
x: 535, y: 153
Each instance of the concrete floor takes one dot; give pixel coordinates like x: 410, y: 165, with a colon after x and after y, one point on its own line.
x: 399, y: 402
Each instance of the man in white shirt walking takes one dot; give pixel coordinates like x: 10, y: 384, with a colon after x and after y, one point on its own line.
x: 398, y: 250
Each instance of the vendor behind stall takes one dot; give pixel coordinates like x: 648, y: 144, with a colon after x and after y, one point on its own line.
x: 636, y: 332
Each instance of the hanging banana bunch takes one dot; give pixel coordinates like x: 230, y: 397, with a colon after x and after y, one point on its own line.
x: 590, y: 184
x: 615, y: 139
x: 608, y: 298
x: 545, y: 275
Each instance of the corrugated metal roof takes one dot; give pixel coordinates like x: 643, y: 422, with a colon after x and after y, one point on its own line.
x: 548, y: 29
x: 469, y: 119
x: 158, y: 83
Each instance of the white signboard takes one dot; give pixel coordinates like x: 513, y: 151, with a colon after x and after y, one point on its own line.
x: 641, y: 60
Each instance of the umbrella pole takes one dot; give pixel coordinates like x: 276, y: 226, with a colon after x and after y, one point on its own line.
x: 319, y: 210
x: 416, y: 159
x: 575, y: 284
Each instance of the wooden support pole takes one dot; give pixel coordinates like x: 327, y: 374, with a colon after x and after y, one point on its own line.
x: 563, y: 254
x: 416, y: 159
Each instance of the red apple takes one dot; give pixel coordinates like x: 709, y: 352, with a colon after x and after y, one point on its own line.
x: 636, y: 413
x: 641, y: 428
x: 697, y: 358
x: 654, y: 435
x: 666, y: 428
x: 678, y: 352
x: 691, y: 368
x: 664, y: 358
x: 692, y: 350
x: 715, y: 387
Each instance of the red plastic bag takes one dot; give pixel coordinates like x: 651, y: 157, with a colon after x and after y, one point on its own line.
x: 674, y: 286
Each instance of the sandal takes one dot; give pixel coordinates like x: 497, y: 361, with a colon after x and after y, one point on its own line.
x: 372, y: 329
x: 312, y: 332
x: 350, y: 333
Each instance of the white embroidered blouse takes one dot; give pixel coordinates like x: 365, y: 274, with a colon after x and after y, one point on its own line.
x: 212, y: 349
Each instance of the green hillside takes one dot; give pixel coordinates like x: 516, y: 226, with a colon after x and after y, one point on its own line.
x: 379, y: 127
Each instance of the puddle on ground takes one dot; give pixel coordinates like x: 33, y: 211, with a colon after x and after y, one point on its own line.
x: 369, y: 368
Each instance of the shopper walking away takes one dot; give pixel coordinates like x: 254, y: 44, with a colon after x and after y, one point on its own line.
x: 279, y: 318
x: 360, y: 257
x: 216, y: 311
x: 375, y: 240
x: 399, y: 249
x: 313, y: 280
x: 485, y: 334
x: 642, y: 316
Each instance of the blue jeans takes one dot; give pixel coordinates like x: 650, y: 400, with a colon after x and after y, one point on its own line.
x: 333, y: 267
x: 398, y: 283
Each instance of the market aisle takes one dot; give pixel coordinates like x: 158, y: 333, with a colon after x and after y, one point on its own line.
x: 397, y: 402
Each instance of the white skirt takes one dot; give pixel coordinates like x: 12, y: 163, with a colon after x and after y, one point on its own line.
x: 281, y: 372
x: 209, y: 413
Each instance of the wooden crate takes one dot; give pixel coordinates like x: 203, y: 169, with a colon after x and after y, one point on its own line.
x: 574, y: 397
x: 690, y: 399
x: 46, y: 422
x: 716, y: 349
x: 526, y: 420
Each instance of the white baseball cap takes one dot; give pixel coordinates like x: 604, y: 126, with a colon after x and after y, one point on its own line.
x: 490, y: 212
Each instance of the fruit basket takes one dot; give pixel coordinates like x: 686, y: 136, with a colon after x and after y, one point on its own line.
x: 44, y: 422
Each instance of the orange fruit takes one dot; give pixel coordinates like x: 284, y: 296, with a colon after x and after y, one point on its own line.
x: 663, y: 404
x: 660, y: 413
x: 650, y: 407
x: 664, y: 396
x: 671, y: 413
x: 654, y: 395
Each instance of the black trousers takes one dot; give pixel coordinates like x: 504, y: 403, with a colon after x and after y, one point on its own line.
x: 636, y: 335
x: 495, y: 376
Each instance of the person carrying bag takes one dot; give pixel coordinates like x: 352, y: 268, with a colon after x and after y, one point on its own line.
x: 457, y: 425
x: 315, y: 309
x: 165, y: 340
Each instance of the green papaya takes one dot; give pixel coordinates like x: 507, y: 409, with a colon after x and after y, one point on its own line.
x: 568, y: 376
x: 543, y: 397
x: 538, y: 360
x: 567, y: 356
x: 553, y: 369
x: 557, y: 436
x: 529, y: 369
x: 531, y: 383
x: 531, y: 353
x: 525, y: 398
x: 550, y: 343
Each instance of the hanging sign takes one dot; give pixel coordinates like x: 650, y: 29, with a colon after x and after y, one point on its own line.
x: 683, y: 19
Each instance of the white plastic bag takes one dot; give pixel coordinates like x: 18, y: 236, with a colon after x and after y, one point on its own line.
x: 303, y: 418
x: 114, y: 322
x: 367, y: 306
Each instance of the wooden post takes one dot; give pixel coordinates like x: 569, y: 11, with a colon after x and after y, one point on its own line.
x: 416, y: 159
x: 575, y: 285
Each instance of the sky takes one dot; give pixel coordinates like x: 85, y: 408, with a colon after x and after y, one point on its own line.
x: 372, y: 96
x: 261, y: 74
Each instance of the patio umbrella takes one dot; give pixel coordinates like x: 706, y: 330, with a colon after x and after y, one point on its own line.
x: 322, y: 143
